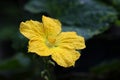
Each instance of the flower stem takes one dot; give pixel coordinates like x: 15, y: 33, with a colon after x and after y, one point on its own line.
x: 45, y: 67
x: 48, y: 69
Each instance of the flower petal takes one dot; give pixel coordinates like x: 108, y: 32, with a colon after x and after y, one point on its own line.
x: 38, y: 46
x: 52, y: 26
x: 31, y: 29
x: 64, y: 57
x: 70, y: 40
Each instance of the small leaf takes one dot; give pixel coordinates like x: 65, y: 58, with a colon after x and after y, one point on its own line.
x: 51, y: 62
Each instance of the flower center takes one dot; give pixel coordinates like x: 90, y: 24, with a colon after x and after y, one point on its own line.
x: 51, y: 42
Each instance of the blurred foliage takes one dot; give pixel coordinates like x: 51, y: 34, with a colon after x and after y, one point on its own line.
x: 87, y: 17
x: 15, y: 63
x: 14, y: 66
x: 6, y: 32
x: 116, y: 5
x: 76, y: 15
x: 106, y: 67
x: 107, y: 70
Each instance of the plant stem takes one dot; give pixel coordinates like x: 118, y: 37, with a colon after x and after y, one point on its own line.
x: 48, y: 69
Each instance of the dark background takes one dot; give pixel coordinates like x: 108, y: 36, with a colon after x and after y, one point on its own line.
x: 99, y: 60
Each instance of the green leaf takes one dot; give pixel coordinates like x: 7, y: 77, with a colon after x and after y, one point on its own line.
x: 113, y: 3
x: 87, y: 17
x: 81, y: 31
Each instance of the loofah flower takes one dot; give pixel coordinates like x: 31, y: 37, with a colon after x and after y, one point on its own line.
x: 46, y: 39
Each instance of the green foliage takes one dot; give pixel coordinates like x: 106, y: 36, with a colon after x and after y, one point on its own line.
x: 117, y: 23
x: 106, y: 67
x: 16, y: 64
x: 19, y: 42
x: 116, y: 3
x: 7, y: 32
x: 76, y: 15
x: 113, y: 3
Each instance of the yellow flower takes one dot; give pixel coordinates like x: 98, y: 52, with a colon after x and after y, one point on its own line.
x: 46, y: 39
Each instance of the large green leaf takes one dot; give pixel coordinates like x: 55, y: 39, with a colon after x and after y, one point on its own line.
x: 87, y: 17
